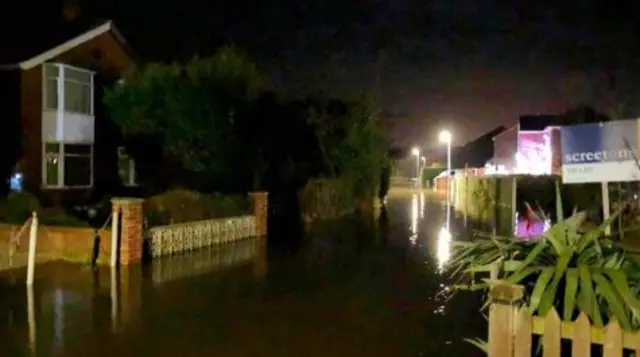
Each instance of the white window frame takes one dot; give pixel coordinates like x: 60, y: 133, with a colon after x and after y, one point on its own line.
x: 60, y: 82
x: 122, y: 155
x: 61, y: 157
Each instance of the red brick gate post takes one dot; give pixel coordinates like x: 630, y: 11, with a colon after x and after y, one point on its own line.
x: 130, y: 229
x: 260, y: 211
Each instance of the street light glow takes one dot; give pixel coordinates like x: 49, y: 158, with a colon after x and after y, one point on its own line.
x: 445, y: 137
x: 415, y: 151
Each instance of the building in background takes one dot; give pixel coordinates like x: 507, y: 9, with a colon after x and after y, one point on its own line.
x: 477, y: 152
x: 532, y: 146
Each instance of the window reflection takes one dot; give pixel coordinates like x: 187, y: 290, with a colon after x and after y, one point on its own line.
x: 31, y: 319
x: 58, y: 310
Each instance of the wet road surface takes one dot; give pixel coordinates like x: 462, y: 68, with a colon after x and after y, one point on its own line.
x: 351, y: 289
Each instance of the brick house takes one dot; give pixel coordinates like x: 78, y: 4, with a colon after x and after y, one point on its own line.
x: 57, y: 138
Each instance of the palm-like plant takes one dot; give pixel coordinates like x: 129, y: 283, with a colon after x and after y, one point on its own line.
x: 566, y: 268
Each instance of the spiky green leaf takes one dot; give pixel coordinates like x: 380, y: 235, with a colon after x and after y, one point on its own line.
x: 570, y: 293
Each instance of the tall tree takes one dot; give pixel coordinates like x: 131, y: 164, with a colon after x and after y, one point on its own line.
x: 191, y: 110
x: 352, y: 140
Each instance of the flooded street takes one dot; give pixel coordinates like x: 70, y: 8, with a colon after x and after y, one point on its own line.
x: 350, y: 289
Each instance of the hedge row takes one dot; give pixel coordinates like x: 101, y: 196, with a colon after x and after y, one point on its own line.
x: 180, y: 206
x: 489, y: 198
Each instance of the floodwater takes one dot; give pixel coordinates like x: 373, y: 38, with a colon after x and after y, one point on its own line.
x: 349, y: 289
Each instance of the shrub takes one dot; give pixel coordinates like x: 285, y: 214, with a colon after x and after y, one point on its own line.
x: 55, y: 217
x: 219, y: 205
x: 17, y: 207
x: 180, y: 205
x: 488, y: 196
x: 481, y: 197
x: 568, y: 267
x: 326, y: 199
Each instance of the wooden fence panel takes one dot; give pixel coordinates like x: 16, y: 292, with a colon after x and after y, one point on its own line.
x: 523, y: 333
x: 581, y: 345
x: 552, y: 335
x: 635, y: 344
x: 613, y: 340
x: 511, y: 330
x: 500, y: 331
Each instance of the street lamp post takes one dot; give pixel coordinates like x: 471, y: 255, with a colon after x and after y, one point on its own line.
x: 416, y: 152
x: 445, y: 137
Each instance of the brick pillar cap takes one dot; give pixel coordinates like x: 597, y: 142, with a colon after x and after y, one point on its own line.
x: 126, y: 200
x: 258, y: 193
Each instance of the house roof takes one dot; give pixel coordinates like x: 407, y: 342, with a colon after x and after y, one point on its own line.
x: 29, y: 52
x: 538, y: 122
x: 489, y: 135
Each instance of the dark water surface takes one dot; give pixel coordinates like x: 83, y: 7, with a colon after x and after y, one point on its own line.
x: 351, y: 289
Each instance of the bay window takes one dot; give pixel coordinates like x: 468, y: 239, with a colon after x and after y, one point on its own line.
x: 68, y: 89
x: 67, y: 165
x: 51, y: 73
x: 67, y: 126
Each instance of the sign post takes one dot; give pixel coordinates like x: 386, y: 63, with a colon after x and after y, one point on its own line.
x: 606, y: 207
x: 601, y: 152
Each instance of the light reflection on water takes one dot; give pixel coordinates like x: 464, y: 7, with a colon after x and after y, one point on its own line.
x: 444, y: 247
x: 58, y: 308
x: 224, y: 302
x: 31, y: 319
x: 414, y: 219
x: 444, y: 240
x: 431, y: 232
x: 436, y: 244
x: 58, y: 316
x: 443, y: 254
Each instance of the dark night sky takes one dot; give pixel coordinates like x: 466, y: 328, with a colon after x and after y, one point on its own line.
x: 467, y: 65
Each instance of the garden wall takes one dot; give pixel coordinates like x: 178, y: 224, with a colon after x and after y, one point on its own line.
x: 54, y: 243
x: 194, y: 221
x: 77, y: 244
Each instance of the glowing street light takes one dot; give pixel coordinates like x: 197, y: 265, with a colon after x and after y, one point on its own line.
x: 416, y: 152
x: 445, y: 138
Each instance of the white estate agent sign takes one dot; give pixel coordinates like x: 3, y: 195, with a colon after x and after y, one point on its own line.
x: 600, y: 152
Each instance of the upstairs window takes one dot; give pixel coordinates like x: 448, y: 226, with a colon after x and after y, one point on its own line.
x: 51, y: 86
x: 68, y: 89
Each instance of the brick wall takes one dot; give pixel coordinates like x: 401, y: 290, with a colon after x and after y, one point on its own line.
x: 260, y: 211
x: 505, y: 146
x: 68, y: 243
x: 556, y: 151
x: 77, y: 244
x: 131, y: 219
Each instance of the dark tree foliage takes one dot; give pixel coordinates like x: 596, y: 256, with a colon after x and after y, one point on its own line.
x: 213, y: 125
x: 581, y: 114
